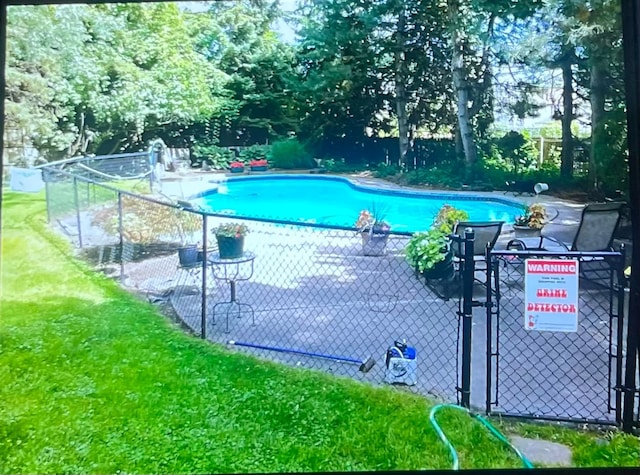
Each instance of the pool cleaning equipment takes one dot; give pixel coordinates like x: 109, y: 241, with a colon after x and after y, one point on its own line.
x: 454, y: 455
x: 364, y: 365
x: 400, y: 364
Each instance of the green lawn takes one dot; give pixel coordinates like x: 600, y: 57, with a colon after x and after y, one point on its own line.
x: 93, y: 380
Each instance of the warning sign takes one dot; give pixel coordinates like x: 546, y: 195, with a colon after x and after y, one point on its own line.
x: 551, y: 295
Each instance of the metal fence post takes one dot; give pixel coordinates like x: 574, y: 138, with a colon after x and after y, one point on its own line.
x: 620, y: 322
x: 121, y: 235
x: 75, y: 197
x: 490, y: 305
x: 203, y: 319
x: 468, y: 270
x: 47, y: 193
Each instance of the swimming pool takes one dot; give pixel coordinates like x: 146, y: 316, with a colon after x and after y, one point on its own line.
x: 337, y: 201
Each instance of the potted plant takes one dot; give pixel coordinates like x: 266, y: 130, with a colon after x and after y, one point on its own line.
x: 259, y: 165
x: 429, y: 253
x: 530, y: 222
x: 230, y: 237
x: 236, y: 167
x: 374, y: 231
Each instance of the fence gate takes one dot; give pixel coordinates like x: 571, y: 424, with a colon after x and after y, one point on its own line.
x: 555, y: 372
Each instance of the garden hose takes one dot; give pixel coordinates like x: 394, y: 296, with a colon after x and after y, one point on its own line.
x: 454, y: 455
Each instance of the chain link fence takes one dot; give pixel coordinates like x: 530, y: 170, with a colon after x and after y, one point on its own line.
x: 574, y: 376
x: 309, y: 296
x: 316, y: 296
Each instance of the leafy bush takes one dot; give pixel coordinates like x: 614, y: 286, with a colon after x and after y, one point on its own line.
x: 516, y: 148
x: 426, y: 249
x: 254, y: 152
x: 384, y: 170
x: 290, y: 154
x: 213, y: 155
x: 447, y: 218
x: 146, y: 222
x: 443, y: 175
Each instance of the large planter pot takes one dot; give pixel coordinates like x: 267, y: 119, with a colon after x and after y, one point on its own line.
x: 260, y: 168
x: 374, y: 244
x: 237, y: 170
x: 441, y: 270
x: 526, y: 231
x: 230, y: 247
x: 188, y: 255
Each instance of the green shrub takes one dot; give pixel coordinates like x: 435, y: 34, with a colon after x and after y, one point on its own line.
x: 339, y: 166
x: 443, y: 175
x: 384, y: 170
x: 254, y: 152
x: 518, y: 149
x: 213, y: 155
x: 290, y: 154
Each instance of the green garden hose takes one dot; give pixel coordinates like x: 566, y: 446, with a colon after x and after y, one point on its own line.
x: 454, y: 455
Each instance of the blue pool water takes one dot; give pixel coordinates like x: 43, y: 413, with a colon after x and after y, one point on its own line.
x: 338, y: 201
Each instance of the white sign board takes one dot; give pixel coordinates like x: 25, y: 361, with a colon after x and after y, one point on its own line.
x: 551, y: 295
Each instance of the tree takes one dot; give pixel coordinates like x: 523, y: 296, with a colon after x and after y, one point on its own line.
x: 238, y: 39
x: 471, y: 33
x: 95, y: 78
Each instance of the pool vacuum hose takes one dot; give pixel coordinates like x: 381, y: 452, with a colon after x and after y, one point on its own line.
x: 364, y: 365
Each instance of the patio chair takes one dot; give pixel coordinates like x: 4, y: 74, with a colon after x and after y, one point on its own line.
x: 597, y: 226
x: 486, y: 233
x: 596, y: 230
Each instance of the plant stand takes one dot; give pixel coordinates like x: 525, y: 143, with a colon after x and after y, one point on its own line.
x: 232, y: 271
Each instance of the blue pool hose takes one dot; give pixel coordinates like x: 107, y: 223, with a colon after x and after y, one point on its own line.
x: 454, y: 455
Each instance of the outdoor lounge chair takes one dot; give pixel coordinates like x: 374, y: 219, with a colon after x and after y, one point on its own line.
x: 597, y: 226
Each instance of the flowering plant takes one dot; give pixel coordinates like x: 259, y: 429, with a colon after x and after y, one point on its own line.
x: 368, y: 222
x: 262, y: 162
x: 231, y: 230
x: 533, y: 216
x: 236, y: 164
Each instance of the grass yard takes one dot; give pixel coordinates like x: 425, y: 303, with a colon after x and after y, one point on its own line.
x: 93, y: 380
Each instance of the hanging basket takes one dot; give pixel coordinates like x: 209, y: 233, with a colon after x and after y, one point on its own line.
x: 230, y: 247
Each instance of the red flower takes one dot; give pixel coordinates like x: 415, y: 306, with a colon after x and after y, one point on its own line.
x: 236, y: 165
x: 258, y: 163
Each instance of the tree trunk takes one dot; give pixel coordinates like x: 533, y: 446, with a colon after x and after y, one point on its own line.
x: 461, y: 87
x: 401, y: 95
x: 566, y: 158
x: 596, y: 98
